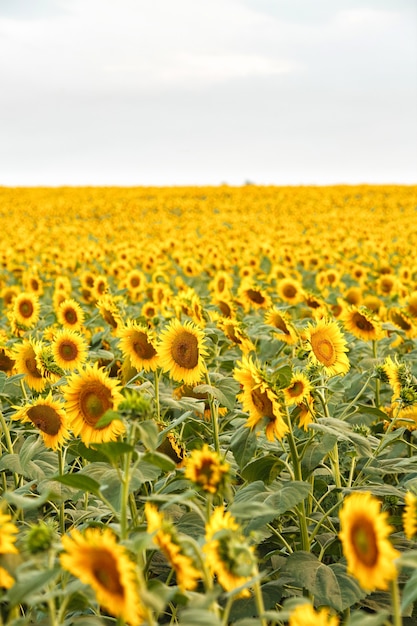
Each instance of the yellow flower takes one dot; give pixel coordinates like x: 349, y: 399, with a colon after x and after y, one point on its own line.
x: 282, y: 322
x: 70, y: 314
x: 49, y: 417
x: 166, y: 539
x: 6, y: 580
x: 206, y: 470
x: 364, y: 536
x: 88, y: 395
x: 139, y: 346
x: 26, y: 308
x: 98, y: 560
x: 7, y: 535
x: 410, y: 515
x: 290, y: 290
x: 26, y: 363
x: 298, y: 390
x: 182, y: 350
x: 404, y: 321
x: 234, y: 331
x: 259, y: 400
x: 69, y: 349
x: 227, y: 554
x: 328, y: 347
x: 362, y: 323
x: 305, y: 615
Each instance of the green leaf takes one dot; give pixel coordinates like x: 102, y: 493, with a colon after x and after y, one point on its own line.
x: 113, y: 450
x: 199, y: 617
x: 149, y: 434
x: 343, y: 431
x: 307, y: 572
x: 26, y: 502
x: 216, y: 393
x: 350, y: 589
x: 243, y: 445
x: 28, y: 584
x: 160, y: 460
x: 288, y: 496
x: 3, y: 379
x: 80, y: 481
x: 360, y: 618
x: 409, y: 593
x: 282, y: 377
x: 264, y: 468
x: 316, y: 451
x: 408, y: 559
x: 371, y: 410
x: 109, y: 416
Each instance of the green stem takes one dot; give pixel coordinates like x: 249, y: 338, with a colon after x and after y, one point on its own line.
x: 226, y: 611
x: 259, y: 600
x: 305, y: 543
x: 156, y: 391
x: 214, y: 413
x: 9, y: 444
x: 377, y: 381
x: 61, y: 465
x: 334, y: 455
x: 124, y: 492
x: 395, y: 602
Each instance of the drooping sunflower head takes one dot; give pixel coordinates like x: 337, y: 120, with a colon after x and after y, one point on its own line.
x: 26, y: 309
x: 109, y: 311
x: 404, y: 321
x: 98, y: 560
x: 306, y: 615
x: 49, y: 417
x: 206, y: 470
x: 138, y: 344
x: 364, y: 536
x: 362, y: 323
x: 327, y: 346
x: 25, y: 355
x: 69, y: 349
x: 235, y: 332
x: 70, y: 314
x: 182, y: 350
x: 89, y: 394
x: 283, y: 323
x: 228, y: 555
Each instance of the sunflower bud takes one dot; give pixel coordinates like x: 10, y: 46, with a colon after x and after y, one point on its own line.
x: 40, y: 537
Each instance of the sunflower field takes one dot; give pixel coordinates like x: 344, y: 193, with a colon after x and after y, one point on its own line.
x: 208, y: 406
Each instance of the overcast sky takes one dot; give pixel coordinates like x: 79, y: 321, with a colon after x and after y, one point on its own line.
x: 177, y: 92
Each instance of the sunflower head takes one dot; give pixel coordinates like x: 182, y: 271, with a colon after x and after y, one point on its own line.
x: 69, y: 349
x: 26, y: 363
x: 70, y: 314
x: 283, y: 323
x: 410, y: 515
x: 362, y: 323
x: 8, y: 532
x: 182, y: 350
x: 26, y: 309
x: 138, y: 344
x: 327, y: 347
x: 206, y: 470
x: 306, y: 615
x: 298, y: 390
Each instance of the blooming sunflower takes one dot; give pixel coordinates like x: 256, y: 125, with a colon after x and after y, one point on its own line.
x: 167, y: 540
x: 298, y: 390
x: 362, y: 323
x: 182, y: 350
x: 306, y: 412
x: 109, y: 310
x: 227, y: 554
x: 138, y: 344
x: 328, y: 347
x: 410, y: 515
x: 26, y: 309
x: 70, y: 314
x: 253, y: 296
x: 50, y: 419
x: 282, y: 321
x: 69, y: 349
x: 306, y: 615
x: 364, y: 536
x: 403, y: 320
x: 235, y: 332
x: 88, y: 395
x: 289, y: 290
x: 8, y: 530
x: 98, y: 560
x: 6, y: 581
x: 259, y: 400
x: 206, y: 469
x: 25, y: 363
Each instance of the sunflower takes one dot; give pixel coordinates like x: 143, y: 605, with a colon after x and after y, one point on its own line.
x: 227, y: 554
x: 206, y: 469
x: 26, y: 363
x: 100, y: 286
x: 259, y: 400
x: 364, y: 536
x: 109, y: 311
x: 306, y: 615
x: 26, y: 309
x: 290, y: 290
x: 282, y: 322
x: 135, y: 283
x: 70, y: 314
x: 8, y: 532
x: 167, y: 540
x: 298, y: 390
x: 88, y: 395
x: 327, y: 347
x: 253, y: 296
x: 50, y: 419
x: 306, y: 412
x: 182, y: 350
x: 69, y: 349
x: 404, y: 321
x: 221, y: 284
x: 8, y: 294
x: 362, y: 323
x: 138, y: 344
x: 397, y: 375
x: 410, y: 515
x: 98, y: 560
x: 236, y: 333
x: 412, y: 304
x: 7, y: 360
